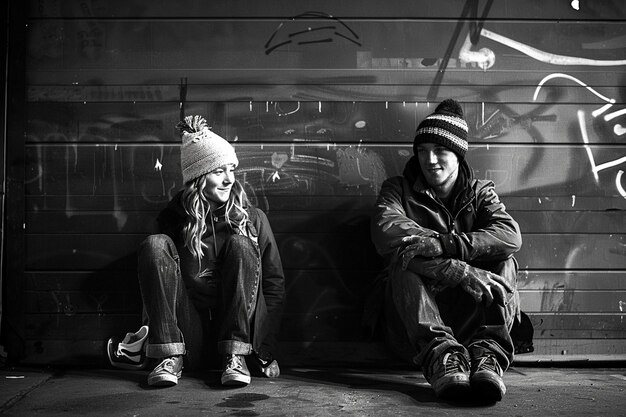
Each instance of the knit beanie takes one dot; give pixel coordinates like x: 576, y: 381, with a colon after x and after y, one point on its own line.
x: 202, y: 151
x: 446, y: 126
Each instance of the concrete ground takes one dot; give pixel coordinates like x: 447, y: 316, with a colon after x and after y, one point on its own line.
x: 532, y: 391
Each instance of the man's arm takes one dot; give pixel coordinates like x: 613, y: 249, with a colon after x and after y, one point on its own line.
x: 495, y: 235
x: 394, y: 235
x: 390, y: 224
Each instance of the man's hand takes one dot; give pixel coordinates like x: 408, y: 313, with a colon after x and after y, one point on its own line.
x: 414, y: 245
x: 486, y: 285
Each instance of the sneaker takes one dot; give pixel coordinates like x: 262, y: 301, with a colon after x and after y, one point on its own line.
x: 130, y: 352
x: 167, y: 372
x: 450, y: 378
x: 267, y: 367
x: 486, y: 378
x: 235, y: 371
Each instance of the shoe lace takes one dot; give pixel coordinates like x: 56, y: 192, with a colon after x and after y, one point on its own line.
x: 490, y: 363
x: 454, y: 362
x: 167, y: 365
x: 234, y: 363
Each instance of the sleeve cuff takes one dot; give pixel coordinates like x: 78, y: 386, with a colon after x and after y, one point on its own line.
x: 458, y: 270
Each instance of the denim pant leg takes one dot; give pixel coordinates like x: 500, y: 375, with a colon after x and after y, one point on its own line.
x: 484, y: 329
x: 175, y: 326
x: 415, y: 329
x: 240, y: 268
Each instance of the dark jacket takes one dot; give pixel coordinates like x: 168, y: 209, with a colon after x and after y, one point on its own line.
x: 201, y: 280
x: 476, y: 230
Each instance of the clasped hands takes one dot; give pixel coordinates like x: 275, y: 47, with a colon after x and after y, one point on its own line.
x: 482, y: 285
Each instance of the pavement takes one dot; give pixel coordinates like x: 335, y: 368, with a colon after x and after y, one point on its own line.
x: 531, y: 391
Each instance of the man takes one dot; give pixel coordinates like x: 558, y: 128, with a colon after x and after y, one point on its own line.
x: 451, y: 295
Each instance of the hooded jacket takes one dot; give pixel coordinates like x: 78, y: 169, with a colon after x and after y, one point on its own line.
x: 476, y: 229
x: 202, y: 280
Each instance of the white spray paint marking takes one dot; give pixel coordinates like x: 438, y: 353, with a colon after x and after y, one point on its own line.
x: 594, y: 168
x: 619, y: 130
x: 618, y: 183
x: 601, y: 110
x: 583, y: 132
x: 484, y: 57
x: 547, y: 56
x: 615, y: 114
x: 576, y: 80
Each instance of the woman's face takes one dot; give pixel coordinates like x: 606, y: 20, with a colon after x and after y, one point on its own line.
x: 219, y: 183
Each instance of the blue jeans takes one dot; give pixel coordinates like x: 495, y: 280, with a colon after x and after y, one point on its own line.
x: 177, y: 325
x: 421, y: 326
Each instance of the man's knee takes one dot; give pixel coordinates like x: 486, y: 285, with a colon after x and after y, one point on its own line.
x: 506, y: 268
x: 405, y: 281
x: 410, y: 290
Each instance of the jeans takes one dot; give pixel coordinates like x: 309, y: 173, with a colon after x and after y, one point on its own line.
x: 180, y: 327
x: 421, y: 326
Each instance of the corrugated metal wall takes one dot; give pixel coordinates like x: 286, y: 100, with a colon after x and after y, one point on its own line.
x: 322, y: 99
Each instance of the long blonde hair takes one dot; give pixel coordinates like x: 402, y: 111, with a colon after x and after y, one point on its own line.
x: 197, y: 208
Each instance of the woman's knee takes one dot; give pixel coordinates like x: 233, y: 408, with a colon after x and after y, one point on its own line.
x: 156, y: 245
x: 240, y: 244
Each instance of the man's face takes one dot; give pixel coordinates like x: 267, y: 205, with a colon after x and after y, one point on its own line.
x: 219, y: 183
x: 439, y: 165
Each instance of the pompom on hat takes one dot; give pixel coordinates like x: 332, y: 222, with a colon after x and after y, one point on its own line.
x: 202, y: 151
x: 446, y: 126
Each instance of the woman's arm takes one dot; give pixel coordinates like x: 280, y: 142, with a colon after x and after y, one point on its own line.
x: 273, y: 283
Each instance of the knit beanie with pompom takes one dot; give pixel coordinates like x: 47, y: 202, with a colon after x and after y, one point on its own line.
x: 202, y: 151
x: 446, y: 126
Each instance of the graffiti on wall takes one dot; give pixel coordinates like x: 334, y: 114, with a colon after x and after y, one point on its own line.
x: 324, y: 149
x: 310, y: 28
x: 485, y: 58
x: 603, y: 112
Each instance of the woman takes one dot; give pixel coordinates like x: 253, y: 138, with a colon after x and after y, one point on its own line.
x: 214, y: 265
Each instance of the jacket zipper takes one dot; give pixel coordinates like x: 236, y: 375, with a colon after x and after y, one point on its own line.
x: 450, y: 218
